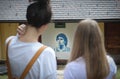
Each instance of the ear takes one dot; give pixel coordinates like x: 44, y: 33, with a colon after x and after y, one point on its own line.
x: 43, y: 28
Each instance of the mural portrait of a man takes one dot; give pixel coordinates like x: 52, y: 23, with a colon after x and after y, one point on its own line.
x: 62, y: 43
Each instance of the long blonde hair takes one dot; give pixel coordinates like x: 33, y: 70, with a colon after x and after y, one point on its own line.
x: 88, y: 43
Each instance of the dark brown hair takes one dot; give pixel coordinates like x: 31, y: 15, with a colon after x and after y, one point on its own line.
x: 39, y: 13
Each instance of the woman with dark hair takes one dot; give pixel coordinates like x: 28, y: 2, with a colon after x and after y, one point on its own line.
x: 22, y: 49
x: 88, y: 57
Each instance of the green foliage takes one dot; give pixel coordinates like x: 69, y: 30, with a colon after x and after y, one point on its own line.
x: 118, y: 72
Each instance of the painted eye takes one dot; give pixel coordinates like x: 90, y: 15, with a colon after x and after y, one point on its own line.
x: 61, y: 39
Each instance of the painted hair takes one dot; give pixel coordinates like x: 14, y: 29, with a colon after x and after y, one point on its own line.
x: 63, y: 36
x: 88, y: 43
x: 39, y: 13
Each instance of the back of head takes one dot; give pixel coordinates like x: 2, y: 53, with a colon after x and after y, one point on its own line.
x: 88, y: 43
x: 90, y: 35
x: 39, y: 13
x: 87, y: 35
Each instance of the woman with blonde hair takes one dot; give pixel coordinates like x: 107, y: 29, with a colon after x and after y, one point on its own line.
x: 89, y: 59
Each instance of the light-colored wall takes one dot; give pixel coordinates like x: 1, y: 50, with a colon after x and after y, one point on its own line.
x: 49, y: 37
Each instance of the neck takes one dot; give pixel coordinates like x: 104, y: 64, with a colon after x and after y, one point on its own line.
x: 31, y: 35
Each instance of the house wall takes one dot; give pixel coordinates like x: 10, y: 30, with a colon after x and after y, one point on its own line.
x: 6, y: 30
x: 0, y: 44
x: 48, y: 37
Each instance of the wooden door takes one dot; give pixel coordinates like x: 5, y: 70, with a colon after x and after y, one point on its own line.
x: 112, y: 40
x: 112, y: 37
x: 6, y: 30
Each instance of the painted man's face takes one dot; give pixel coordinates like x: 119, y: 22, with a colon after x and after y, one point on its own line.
x: 60, y: 41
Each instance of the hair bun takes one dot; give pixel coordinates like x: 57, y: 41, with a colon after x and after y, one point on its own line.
x: 42, y: 2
